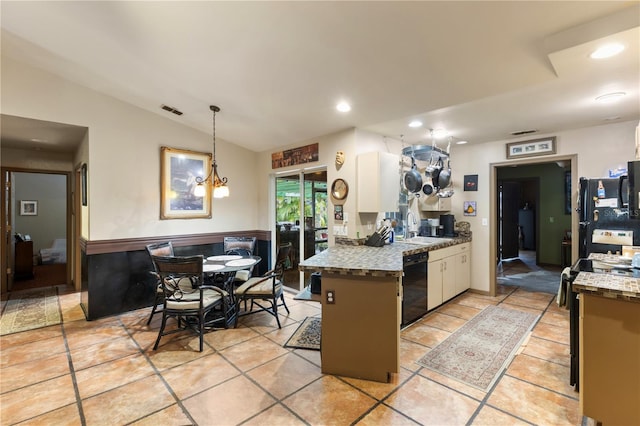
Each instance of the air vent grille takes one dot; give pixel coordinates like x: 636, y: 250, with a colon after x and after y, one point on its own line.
x: 171, y: 109
x: 523, y: 132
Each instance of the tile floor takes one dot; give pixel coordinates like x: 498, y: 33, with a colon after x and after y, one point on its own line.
x: 105, y: 372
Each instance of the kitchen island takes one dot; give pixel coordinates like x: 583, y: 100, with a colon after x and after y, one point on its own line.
x: 361, y: 305
x: 609, y: 347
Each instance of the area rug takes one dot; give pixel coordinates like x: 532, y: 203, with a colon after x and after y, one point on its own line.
x: 30, y: 309
x: 478, y: 351
x: 307, y: 336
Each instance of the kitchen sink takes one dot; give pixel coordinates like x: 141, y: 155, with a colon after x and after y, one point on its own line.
x: 426, y: 240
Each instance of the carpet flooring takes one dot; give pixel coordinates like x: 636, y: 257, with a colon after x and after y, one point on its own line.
x: 30, y: 309
x: 482, y: 348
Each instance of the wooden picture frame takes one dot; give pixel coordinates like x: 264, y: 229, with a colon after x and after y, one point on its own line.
x: 178, y: 171
x: 83, y: 183
x: 531, y: 148
x: 28, y: 208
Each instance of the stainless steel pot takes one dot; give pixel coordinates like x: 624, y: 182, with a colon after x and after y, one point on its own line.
x: 412, y: 178
x: 444, y: 178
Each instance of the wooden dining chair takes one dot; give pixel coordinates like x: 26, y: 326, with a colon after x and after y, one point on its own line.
x: 158, y: 249
x: 186, y: 298
x: 267, y: 288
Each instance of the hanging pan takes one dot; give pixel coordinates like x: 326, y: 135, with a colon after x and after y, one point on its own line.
x: 412, y: 178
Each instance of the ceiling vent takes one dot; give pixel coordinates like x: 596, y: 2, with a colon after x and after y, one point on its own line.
x: 523, y: 132
x: 171, y: 109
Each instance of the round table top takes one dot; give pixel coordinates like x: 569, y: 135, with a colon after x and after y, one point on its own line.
x: 229, y: 263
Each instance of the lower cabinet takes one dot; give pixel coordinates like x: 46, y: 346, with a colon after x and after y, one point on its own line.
x: 448, y: 274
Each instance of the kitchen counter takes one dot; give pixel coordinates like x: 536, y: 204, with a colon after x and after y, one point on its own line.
x: 361, y: 260
x: 608, y: 285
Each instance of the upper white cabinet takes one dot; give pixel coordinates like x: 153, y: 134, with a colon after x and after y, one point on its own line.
x: 378, y: 182
x: 434, y: 204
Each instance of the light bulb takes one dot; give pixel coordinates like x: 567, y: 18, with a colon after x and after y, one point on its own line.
x: 199, y: 190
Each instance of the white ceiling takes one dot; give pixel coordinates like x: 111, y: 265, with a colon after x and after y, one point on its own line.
x: 277, y: 69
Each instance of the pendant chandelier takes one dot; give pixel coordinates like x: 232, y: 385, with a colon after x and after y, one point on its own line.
x: 219, y: 185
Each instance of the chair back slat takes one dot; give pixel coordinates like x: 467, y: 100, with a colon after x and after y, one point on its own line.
x: 246, y: 243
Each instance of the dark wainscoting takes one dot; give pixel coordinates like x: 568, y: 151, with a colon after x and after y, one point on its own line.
x: 115, y: 273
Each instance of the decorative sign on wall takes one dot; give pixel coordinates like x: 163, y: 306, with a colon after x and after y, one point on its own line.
x: 470, y: 182
x: 292, y: 157
x: 469, y: 208
x: 531, y: 148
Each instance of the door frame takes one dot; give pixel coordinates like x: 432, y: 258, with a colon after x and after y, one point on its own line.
x: 493, y: 203
x: 7, y: 221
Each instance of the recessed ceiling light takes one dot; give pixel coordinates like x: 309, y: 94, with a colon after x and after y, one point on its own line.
x: 461, y: 142
x: 343, y: 107
x: 415, y: 123
x: 610, y: 97
x: 607, y: 51
x: 439, y: 133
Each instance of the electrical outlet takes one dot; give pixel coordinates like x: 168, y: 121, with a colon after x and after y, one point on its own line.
x: 551, y: 219
x: 484, y: 221
x: 331, y: 297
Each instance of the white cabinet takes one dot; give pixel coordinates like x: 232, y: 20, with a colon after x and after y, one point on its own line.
x: 434, y: 204
x: 448, y: 274
x: 378, y: 182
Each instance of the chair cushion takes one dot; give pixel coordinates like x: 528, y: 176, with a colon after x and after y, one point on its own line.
x: 243, y: 275
x: 184, y: 283
x: 266, y: 287
x: 192, y: 300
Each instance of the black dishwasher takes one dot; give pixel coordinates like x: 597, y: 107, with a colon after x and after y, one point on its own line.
x: 414, y: 287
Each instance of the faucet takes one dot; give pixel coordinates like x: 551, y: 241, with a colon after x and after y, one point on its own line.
x: 407, y: 232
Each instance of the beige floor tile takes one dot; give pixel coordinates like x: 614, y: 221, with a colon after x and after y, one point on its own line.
x: 410, y: 352
x: 282, y: 335
x: 36, y: 335
x: 379, y: 390
x: 528, y: 302
x: 444, y: 322
x: 548, y: 350
x: 276, y: 415
x: 221, y: 339
x: 556, y: 318
x: 109, y: 375
x: 457, y: 310
x: 551, y: 332
x: 171, y: 416
x: 489, y: 416
x: 231, y: 402
x: 177, y: 349
x: 542, y: 373
x: 315, y: 357
x: 264, y: 322
x: 128, y: 403
x: 546, y: 297
x: 383, y: 415
x: 473, y: 302
x: 302, y: 310
x: 31, y: 351
x: 285, y: 375
x: 425, y: 335
x: 22, y: 404
x: 87, y: 356
x: 198, y: 375
x: 452, y: 383
x: 329, y: 401
x: 429, y: 403
x: 84, y: 333
x: 542, y: 406
x: 31, y: 372
x: 65, y: 416
x: 252, y: 353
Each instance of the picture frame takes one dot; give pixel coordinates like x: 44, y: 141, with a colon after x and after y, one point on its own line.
x: 531, y: 148
x: 28, y: 208
x: 83, y: 184
x: 470, y: 182
x: 469, y: 208
x: 179, y: 169
x: 338, y: 212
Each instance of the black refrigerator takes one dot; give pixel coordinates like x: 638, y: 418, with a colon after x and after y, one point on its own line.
x: 605, y: 224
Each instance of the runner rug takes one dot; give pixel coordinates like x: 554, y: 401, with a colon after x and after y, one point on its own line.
x: 30, y: 309
x: 482, y: 348
x: 307, y: 336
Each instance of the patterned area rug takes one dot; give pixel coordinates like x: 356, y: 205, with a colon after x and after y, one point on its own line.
x: 478, y: 351
x: 307, y: 336
x: 30, y: 309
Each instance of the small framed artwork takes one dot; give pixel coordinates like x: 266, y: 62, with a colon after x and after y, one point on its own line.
x: 83, y: 184
x: 338, y: 212
x: 470, y: 182
x: 178, y: 172
x: 28, y: 208
x: 531, y: 148
x: 469, y: 208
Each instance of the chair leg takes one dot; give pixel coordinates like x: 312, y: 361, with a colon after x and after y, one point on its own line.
x: 284, y: 303
x: 164, y: 323
x: 275, y: 310
x: 156, y: 301
x: 201, y: 329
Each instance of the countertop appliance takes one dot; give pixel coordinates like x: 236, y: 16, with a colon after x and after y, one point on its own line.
x: 605, y: 225
x: 414, y: 287
x: 448, y: 225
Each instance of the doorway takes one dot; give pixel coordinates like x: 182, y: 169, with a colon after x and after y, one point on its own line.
x: 36, y: 228
x: 301, y: 219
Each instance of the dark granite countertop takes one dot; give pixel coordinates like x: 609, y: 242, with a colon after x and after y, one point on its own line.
x: 371, y: 261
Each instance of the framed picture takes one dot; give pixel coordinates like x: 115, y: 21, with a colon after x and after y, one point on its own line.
x: 83, y: 183
x: 470, y: 182
x: 28, y: 208
x: 469, y: 208
x: 338, y: 212
x: 178, y: 171
x: 531, y: 148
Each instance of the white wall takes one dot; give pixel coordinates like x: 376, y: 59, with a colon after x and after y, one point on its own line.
x: 124, y: 157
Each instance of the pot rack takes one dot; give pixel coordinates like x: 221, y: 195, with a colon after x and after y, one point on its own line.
x: 425, y: 152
